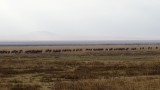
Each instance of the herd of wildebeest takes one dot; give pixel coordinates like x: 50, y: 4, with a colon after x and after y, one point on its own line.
x: 73, y: 50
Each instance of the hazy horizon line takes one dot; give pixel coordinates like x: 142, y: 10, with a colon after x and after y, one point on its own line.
x: 75, y: 40
x: 91, y: 42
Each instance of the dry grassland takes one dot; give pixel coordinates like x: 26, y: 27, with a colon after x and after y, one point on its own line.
x: 74, y: 47
x: 114, y: 70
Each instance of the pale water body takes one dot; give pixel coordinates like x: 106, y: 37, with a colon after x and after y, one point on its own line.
x: 108, y: 42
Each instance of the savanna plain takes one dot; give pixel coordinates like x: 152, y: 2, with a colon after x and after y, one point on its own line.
x: 82, y: 70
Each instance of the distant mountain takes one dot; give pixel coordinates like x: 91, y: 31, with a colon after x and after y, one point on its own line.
x: 54, y: 36
x: 34, y: 36
x: 41, y: 35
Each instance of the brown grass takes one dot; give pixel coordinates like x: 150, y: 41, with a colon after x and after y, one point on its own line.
x: 127, y: 70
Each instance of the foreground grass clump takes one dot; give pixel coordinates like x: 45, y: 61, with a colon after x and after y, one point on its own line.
x: 134, y: 83
x: 25, y: 87
x: 81, y: 71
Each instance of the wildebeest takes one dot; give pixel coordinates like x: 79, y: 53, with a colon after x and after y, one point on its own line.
x: 141, y: 48
x: 66, y: 50
x: 4, y: 52
x: 14, y: 52
x: 106, y: 49
x: 127, y: 49
x: 98, y: 49
x: 149, y: 47
x: 79, y: 49
x: 110, y: 49
x: 88, y: 49
x: 120, y: 49
x: 133, y: 48
x: 33, y: 51
x: 57, y: 51
x: 76, y: 50
x: 48, y: 51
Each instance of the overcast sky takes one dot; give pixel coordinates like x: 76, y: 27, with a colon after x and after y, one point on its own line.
x: 79, y: 20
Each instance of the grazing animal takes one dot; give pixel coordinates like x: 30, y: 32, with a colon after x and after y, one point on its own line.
x: 141, y: 48
x: 127, y: 49
x: 133, y: 48
x: 149, y: 47
x: 33, y: 51
x: 4, y: 52
x: 48, y: 51
x: 98, y: 49
x: 88, y: 49
x: 107, y: 49
x: 57, y: 51
x: 110, y: 49
x: 14, y: 52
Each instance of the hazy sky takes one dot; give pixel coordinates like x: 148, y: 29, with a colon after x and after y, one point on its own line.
x: 79, y: 19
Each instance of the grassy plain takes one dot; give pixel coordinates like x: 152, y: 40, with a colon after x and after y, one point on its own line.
x: 74, y: 47
x: 105, y: 70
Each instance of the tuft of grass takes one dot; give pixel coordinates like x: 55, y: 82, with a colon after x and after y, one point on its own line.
x: 25, y: 87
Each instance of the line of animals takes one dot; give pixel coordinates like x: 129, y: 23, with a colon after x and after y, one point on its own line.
x: 71, y: 50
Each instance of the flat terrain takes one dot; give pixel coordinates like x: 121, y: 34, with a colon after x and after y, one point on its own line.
x: 98, y: 70
x: 74, y: 47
